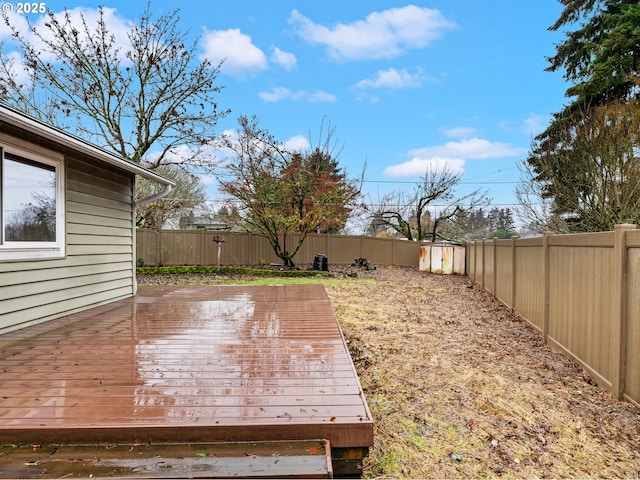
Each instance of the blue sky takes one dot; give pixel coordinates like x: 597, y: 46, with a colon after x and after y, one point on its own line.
x: 455, y: 83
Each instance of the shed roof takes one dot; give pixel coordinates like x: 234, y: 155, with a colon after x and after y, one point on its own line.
x: 37, y: 127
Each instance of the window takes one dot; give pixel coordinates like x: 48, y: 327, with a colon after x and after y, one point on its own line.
x: 32, y: 206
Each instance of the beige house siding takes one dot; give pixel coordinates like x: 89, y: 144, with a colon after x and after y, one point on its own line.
x: 99, y: 264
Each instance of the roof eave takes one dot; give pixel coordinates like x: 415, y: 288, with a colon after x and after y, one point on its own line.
x: 53, y: 134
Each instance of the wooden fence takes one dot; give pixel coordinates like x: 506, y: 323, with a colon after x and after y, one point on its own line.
x: 582, y: 292
x: 198, y: 247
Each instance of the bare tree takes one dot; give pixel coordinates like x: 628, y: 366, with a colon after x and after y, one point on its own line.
x: 589, y: 178
x: 188, y: 195
x: 33, y: 221
x: 535, y: 209
x: 415, y: 216
x: 280, y: 193
x: 148, y: 92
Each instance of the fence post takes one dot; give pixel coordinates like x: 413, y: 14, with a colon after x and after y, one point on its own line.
x: 513, y: 272
x: 619, y: 309
x: 159, y: 236
x: 495, y: 266
x: 326, y: 243
x: 484, y: 264
x: 203, y: 248
x: 476, y: 258
x: 546, y: 265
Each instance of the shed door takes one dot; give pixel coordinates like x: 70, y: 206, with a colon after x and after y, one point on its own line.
x: 436, y: 258
x: 442, y: 259
x: 447, y: 260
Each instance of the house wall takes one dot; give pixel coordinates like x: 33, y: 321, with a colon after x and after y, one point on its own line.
x: 99, y: 263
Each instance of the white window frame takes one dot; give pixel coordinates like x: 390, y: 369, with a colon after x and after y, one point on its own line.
x: 12, y: 251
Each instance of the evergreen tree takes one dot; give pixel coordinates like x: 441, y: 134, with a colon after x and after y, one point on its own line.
x: 601, y: 60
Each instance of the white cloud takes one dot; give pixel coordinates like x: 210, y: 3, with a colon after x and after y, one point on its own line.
x: 115, y: 24
x: 206, y: 153
x: 451, y: 155
x: 385, y: 34
x: 208, y: 180
x: 281, y: 93
x: 297, y: 143
x: 417, y: 166
x: 17, y: 69
x: 237, y: 50
x: 472, y: 148
x: 275, y: 95
x: 460, y: 132
x: 286, y: 60
x: 394, y: 79
x: 320, y: 96
x: 17, y: 21
x: 535, y: 124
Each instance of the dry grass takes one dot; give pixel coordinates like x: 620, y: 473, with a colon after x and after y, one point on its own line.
x: 461, y: 387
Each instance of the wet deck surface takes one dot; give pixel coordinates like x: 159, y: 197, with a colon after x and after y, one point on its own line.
x: 186, y: 364
x: 299, y: 459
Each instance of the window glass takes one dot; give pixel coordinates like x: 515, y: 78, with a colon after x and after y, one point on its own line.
x: 29, y: 207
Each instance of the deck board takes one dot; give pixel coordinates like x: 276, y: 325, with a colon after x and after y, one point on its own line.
x: 191, y: 364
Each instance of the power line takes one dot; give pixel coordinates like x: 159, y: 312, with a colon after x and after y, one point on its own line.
x: 417, y: 182
x: 239, y: 202
x: 406, y: 182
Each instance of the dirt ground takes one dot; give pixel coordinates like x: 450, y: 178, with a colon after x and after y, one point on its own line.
x: 461, y: 387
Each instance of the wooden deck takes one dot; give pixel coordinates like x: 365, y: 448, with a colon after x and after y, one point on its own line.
x: 186, y: 364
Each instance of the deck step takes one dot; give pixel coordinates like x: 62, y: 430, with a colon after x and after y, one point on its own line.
x: 277, y: 459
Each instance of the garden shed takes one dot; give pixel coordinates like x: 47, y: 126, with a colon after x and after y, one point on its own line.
x: 67, y: 211
x: 445, y: 258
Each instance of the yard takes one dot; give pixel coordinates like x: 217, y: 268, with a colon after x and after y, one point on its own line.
x: 459, y: 386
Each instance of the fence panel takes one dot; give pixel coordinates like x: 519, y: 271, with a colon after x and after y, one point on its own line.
x: 470, y: 261
x: 184, y: 248
x: 313, y: 245
x: 344, y: 249
x: 198, y: 247
x: 529, y: 301
x: 579, y: 291
x: 245, y: 249
x: 488, y: 277
x: 580, y: 303
x: 632, y: 345
x: 503, y: 271
x: 146, y: 251
x: 476, y: 262
x: 405, y: 253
